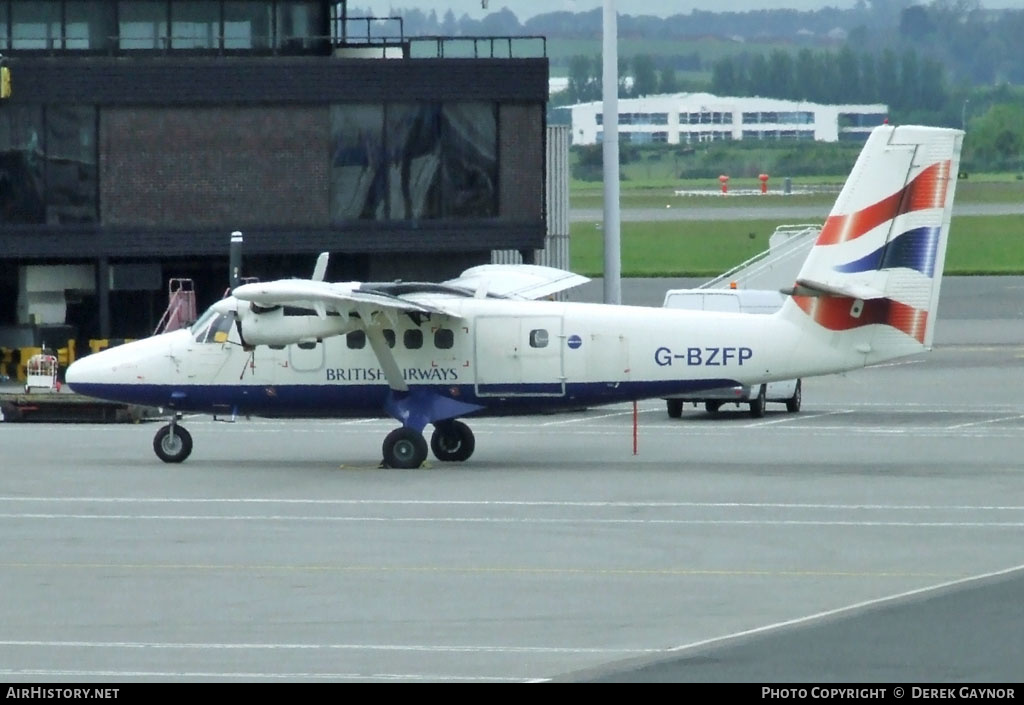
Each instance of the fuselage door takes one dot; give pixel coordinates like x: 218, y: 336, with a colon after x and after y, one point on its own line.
x: 519, y: 356
x: 306, y: 357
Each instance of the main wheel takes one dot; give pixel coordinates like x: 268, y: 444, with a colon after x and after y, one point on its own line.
x: 757, y: 403
x: 452, y: 440
x: 404, y: 448
x: 712, y: 407
x: 675, y: 408
x: 172, y: 448
x: 793, y: 403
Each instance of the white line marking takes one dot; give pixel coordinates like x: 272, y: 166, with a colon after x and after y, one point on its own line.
x: 842, y: 610
x: 323, y: 647
x: 591, y: 418
x: 520, y: 520
x: 258, y: 675
x: 899, y: 364
x: 797, y: 417
x: 978, y: 423
x: 515, y: 503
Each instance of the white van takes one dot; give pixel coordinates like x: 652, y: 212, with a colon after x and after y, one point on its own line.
x: 787, y: 392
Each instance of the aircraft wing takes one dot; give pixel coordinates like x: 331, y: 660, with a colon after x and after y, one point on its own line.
x: 520, y: 281
x: 320, y: 296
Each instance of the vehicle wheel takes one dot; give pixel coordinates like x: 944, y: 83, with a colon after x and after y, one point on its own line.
x: 675, y: 408
x: 172, y: 449
x: 452, y: 441
x: 712, y: 407
x: 793, y: 403
x: 757, y: 403
x: 404, y: 448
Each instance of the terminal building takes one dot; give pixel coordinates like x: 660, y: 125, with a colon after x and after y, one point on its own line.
x: 687, y: 118
x: 136, y: 136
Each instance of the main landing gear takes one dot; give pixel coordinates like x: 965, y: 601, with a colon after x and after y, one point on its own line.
x: 405, y: 447
x: 172, y: 442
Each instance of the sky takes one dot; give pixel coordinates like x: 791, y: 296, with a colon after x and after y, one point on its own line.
x: 525, y: 9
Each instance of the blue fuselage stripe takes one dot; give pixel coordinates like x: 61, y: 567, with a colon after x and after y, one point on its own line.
x: 369, y: 399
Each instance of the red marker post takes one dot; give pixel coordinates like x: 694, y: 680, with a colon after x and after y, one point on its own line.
x: 764, y: 183
x: 725, y: 183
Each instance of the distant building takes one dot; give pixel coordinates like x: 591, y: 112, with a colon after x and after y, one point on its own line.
x: 686, y: 118
x: 139, y: 135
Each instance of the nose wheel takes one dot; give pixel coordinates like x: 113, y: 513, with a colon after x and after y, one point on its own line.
x: 172, y: 443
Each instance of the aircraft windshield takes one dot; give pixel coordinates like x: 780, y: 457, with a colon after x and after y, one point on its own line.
x: 203, y: 322
x: 212, y: 327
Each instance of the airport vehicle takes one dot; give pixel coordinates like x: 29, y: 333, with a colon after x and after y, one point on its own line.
x: 489, y: 343
x: 788, y: 392
x: 41, y: 373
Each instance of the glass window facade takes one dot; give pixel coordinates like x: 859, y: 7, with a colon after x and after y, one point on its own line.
x: 410, y: 161
x: 299, y: 24
x: 861, y: 119
x: 195, y: 25
x: 35, y: 25
x: 22, y: 165
x: 798, y: 117
x: 48, y: 165
x: 248, y: 25
x: 89, y: 25
x: 143, y: 24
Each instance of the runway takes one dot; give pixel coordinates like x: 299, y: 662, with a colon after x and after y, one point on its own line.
x: 876, y: 536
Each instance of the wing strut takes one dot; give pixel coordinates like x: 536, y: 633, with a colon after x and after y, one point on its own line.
x: 375, y: 334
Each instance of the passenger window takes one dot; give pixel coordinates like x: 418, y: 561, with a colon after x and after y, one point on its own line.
x: 538, y: 338
x: 413, y: 339
x: 444, y: 338
x: 389, y: 336
x: 356, y: 340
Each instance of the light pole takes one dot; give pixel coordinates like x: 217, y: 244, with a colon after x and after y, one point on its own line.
x: 610, y: 154
x: 963, y: 115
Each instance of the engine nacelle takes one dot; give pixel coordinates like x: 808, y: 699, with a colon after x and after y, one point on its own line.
x: 285, y: 325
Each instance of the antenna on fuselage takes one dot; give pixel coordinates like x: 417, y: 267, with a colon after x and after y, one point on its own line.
x: 235, y: 260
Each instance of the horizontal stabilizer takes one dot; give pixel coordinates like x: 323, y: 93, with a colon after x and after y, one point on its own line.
x: 521, y: 281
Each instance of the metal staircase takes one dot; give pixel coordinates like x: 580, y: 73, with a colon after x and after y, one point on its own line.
x: 775, y: 268
x: 181, y: 306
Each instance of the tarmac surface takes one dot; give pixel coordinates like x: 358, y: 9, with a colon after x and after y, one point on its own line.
x: 875, y: 537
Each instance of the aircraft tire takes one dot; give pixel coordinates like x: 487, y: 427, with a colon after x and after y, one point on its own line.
x: 793, y: 403
x: 452, y: 441
x: 404, y: 448
x: 712, y: 407
x: 172, y: 450
x: 674, y: 407
x: 757, y: 404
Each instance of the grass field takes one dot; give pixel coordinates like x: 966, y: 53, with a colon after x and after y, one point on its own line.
x: 977, y: 245
x: 659, y: 192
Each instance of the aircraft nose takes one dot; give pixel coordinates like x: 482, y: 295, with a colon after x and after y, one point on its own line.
x: 86, y: 370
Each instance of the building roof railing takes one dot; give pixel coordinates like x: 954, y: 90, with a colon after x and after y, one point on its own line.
x: 365, y: 37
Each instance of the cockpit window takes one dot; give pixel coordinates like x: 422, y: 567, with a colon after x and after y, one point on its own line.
x: 215, y: 330
x: 202, y: 323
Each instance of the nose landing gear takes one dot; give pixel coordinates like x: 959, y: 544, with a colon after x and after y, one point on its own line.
x: 172, y: 443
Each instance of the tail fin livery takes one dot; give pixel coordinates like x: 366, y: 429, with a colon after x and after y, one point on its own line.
x: 874, y: 273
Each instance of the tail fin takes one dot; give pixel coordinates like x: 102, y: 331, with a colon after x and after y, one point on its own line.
x: 874, y: 273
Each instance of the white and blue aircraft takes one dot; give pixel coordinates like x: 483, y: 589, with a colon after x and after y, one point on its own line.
x: 491, y: 342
